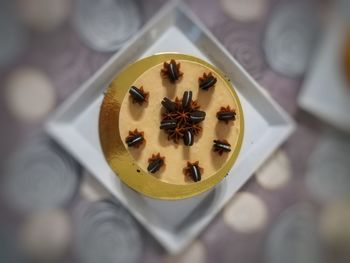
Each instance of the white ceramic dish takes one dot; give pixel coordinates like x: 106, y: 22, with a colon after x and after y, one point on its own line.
x: 174, y: 223
x: 326, y: 92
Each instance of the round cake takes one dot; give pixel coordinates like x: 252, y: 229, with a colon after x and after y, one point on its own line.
x: 171, y: 126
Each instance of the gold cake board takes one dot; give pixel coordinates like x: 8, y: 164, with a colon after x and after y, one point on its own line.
x: 118, y: 157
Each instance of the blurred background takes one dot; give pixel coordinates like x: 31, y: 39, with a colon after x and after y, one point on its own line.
x: 296, y: 208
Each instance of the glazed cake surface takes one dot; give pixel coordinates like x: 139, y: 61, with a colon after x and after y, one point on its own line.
x: 146, y: 117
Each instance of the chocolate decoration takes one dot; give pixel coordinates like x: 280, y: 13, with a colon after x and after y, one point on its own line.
x: 197, y: 116
x: 134, y: 139
x: 171, y: 71
x: 187, y: 99
x: 207, y: 81
x: 221, y: 146
x: 155, y: 163
x: 169, y: 105
x: 176, y: 134
x: 195, y: 128
x: 168, y: 124
x: 194, y: 171
x: 138, y: 94
x: 181, y: 118
x: 188, y: 138
x: 154, y: 166
x: 226, y: 116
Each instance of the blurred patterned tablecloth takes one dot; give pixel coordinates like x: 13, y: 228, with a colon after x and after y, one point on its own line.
x: 295, y: 208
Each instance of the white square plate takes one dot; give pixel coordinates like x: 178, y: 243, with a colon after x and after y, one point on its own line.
x: 174, y: 223
x: 326, y: 92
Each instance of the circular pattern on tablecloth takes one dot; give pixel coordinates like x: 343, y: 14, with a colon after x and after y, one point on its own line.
x: 195, y: 253
x: 293, y: 237
x: 245, y: 213
x: 91, y: 189
x: 107, y: 233
x: 290, y: 37
x: 44, y: 15
x: 245, y: 10
x: 275, y: 172
x: 243, y: 44
x: 71, y: 62
x: 30, y: 95
x: 334, y: 224
x: 328, y: 176
x: 106, y: 24
x: 40, y: 175
x: 45, y: 235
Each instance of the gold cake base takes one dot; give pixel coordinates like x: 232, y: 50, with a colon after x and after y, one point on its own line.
x: 118, y: 156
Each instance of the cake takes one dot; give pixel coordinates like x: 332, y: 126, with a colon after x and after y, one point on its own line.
x: 179, y: 121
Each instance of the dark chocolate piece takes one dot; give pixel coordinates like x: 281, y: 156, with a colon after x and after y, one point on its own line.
x: 194, y: 171
x: 155, y: 163
x: 188, y: 138
x: 181, y: 120
x: 221, y: 146
x: 154, y: 166
x: 168, y: 104
x: 168, y: 124
x: 172, y: 71
x: 134, y: 140
x: 197, y: 116
x: 187, y: 99
x: 226, y: 114
x: 138, y: 94
x: 207, y: 81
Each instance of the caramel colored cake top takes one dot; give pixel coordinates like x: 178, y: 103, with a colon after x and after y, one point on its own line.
x: 189, y: 142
